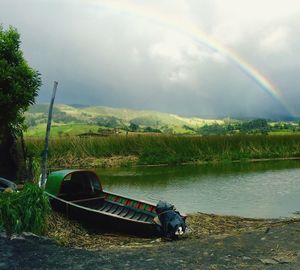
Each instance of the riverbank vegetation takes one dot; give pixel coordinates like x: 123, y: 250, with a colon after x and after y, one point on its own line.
x: 24, y: 211
x: 167, y: 149
x: 19, y: 85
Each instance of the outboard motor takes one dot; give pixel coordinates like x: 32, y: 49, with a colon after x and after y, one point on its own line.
x: 171, y: 222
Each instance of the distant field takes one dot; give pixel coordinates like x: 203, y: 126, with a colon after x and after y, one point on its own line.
x: 67, y: 130
x: 61, y: 130
x: 74, y: 120
x: 69, y: 120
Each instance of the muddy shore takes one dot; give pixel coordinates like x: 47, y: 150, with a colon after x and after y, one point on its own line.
x: 215, y: 242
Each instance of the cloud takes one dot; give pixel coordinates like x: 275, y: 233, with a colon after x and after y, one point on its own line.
x: 121, y: 54
x: 276, y: 41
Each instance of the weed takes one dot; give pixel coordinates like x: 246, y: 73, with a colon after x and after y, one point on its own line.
x: 26, y: 210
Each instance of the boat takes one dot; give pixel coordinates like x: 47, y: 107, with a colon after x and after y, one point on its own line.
x: 7, y: 185
x: 79, y: 195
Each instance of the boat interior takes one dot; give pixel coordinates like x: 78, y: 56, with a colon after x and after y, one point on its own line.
x: 116, y: 208
x: 80, y: 185
x: 84, y: 188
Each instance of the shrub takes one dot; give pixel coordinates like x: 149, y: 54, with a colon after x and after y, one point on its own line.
x: 26, y: 210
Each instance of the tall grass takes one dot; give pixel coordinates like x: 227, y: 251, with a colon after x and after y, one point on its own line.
x: 24, y: 211
x: 163, y: 149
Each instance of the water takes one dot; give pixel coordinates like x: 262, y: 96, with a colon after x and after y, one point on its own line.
x: 261, y: 189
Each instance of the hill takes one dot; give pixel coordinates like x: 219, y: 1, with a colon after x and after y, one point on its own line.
x: 76, y: 119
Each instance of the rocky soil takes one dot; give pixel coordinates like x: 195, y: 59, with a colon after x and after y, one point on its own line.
x: 215, y: 242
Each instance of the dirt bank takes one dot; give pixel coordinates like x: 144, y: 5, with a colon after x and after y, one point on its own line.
x: 201, y: 225
x: 216, y: 242
x: 252, y: 245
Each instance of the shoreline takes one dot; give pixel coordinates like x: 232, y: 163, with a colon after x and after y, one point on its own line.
x: 132, y: 161
x: 165, y: 150
x: 72, y: 234
x: 221, y: 243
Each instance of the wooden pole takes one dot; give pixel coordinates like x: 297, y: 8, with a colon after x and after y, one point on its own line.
x: 45, y: 152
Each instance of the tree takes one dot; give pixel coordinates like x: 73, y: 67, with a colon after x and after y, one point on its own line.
x: 133, y: 127
x: 19, y: 85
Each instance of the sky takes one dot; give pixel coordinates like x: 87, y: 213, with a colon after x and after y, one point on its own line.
x: 205, y: 58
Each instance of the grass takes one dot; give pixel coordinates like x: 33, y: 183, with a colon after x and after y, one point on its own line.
x: 170, y: 149
x: 61, y: 130
x: 24, y: 211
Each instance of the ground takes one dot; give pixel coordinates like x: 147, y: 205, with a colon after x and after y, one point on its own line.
x: 215, y: 242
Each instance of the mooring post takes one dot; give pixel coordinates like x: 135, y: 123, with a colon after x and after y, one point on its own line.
x: 45, y: 152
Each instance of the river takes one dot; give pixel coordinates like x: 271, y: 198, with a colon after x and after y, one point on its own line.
x: 268, y: 189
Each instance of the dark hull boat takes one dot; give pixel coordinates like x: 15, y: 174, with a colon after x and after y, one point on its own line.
x: 79, y: 195
x: 6, y: 184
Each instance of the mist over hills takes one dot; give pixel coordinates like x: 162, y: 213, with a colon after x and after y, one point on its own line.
x: 76, y: 119
x: 119, y: 117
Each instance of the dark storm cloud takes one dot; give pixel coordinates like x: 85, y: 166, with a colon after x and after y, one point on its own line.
x: 105, y: 56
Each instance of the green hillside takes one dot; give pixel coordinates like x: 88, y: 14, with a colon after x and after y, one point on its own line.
x: 74, y: 120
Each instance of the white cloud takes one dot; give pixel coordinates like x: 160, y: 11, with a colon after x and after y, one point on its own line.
x: 276, y: 40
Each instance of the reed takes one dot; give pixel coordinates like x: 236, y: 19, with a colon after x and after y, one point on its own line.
x: 170, y: 149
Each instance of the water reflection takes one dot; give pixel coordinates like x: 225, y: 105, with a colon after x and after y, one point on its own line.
x: 260, y: 189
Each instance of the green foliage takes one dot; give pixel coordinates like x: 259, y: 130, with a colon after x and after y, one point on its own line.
x: 24, y: 211
x: 189, y: 128
x: 133, y: 127
x: 36, y: 168
x: 109, y: 121
x: 152, y: 121
x: 214, y: 129
x: 256, y: 126
x: 19, y: 83
x: 153, y: 130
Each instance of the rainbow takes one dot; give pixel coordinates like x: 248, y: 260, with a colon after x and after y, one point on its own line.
x: 186, y: 27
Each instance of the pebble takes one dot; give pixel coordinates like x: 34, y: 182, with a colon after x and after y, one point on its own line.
x: 3, y: 235
x: 17, y: 237
x: 3, y: 265
x: 156, y: 240
x: 268, y: 261
x: 282, y: 260
x: 28, y: 234
x: 245, y: 258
